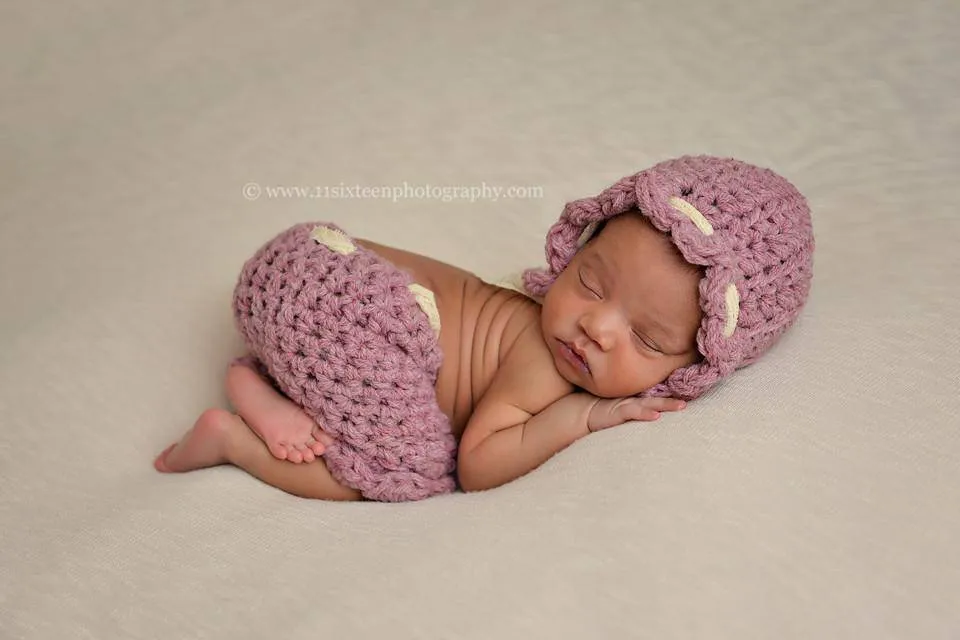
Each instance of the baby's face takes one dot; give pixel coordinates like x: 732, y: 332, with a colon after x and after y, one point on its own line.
x: 624, y: 313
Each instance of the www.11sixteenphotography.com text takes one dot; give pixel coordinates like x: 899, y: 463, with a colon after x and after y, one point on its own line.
x: 396, y: 192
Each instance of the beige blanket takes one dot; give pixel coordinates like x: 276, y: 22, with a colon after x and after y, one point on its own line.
x: 143, y: 147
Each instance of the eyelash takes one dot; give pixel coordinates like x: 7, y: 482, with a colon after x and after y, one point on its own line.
x: 586, y: 286
x: 646, y: 344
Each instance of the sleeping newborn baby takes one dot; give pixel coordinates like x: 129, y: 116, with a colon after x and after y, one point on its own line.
x: 655, y: 289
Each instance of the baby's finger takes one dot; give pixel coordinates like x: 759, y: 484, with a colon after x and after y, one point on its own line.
x: 639, y: 412
x: 663, y: 404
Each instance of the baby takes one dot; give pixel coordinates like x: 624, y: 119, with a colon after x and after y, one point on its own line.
x: 655, y: 289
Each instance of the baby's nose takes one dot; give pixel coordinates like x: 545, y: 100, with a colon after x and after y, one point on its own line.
x: 600, y: 327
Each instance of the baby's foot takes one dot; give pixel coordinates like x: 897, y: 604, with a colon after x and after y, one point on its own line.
x: 289, y: 433
x: 203, y: 446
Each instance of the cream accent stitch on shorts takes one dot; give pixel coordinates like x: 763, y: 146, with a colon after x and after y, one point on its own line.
x: 336, y: 240
x: 428, y: 303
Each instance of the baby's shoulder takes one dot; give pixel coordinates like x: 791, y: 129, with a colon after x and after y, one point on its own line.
x: 528, y: 375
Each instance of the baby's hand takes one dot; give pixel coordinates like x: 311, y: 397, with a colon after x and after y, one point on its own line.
x: 611, y: 412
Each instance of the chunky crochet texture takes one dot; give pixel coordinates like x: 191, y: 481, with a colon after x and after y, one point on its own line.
x: 747, y: 226
x: 340, y: 333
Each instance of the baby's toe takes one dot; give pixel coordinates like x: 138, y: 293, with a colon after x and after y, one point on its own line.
x: 317, y: 448
x: 322, y: 437
x: 278, y: 451
x: 308, y: 455
x: 294, y: 455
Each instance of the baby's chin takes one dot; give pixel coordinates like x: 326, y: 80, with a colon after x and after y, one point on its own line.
x: 588, y: 386
x: 576, y: 382
x: 592, y: 386
x: 603, y: 391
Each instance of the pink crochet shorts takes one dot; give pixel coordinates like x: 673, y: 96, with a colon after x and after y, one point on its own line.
x: 339, y: 330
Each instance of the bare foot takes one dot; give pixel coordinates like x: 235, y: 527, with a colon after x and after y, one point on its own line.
x: 205, y: 445
x: 289, y: 433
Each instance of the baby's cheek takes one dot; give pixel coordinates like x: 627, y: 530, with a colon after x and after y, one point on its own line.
x: 635, y: 374
x: 550, y: 318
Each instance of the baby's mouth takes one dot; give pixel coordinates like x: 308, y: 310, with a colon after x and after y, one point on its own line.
x: 574, y: 358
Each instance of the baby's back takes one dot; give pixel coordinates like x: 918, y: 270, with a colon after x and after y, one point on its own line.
x: 479, y: 323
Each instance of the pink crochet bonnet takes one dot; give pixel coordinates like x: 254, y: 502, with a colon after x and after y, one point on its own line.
x: 748, y: 227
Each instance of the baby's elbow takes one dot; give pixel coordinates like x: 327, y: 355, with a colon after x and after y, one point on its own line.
x: 484, y: 458
x: 470, y: 473
x: 466, y: 485
x: 466, y: 475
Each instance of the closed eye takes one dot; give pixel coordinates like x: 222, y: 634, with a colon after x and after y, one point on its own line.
x: 646, y: 343
x: 587, y: 286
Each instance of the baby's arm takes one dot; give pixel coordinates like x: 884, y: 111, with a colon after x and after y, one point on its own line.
x: 529, y: 414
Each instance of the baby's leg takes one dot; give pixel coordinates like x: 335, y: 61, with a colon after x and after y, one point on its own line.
x: 220, y: 437
x: 290, y: 434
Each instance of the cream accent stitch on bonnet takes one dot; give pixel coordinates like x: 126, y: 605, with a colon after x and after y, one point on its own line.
x: 748, y: 227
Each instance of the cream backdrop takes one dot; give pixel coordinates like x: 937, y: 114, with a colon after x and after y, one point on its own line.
x: 815, y: 495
